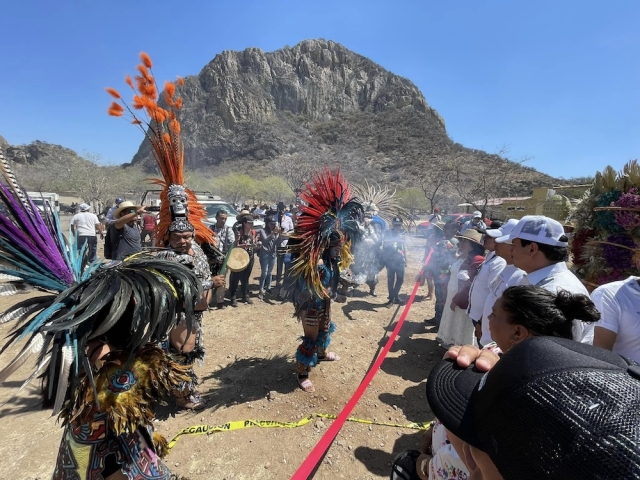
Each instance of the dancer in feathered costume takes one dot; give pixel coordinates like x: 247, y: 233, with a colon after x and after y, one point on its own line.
x: 94, y: 336
x: 321, y: 246
x: 181, y: 229
x: 380, y: 206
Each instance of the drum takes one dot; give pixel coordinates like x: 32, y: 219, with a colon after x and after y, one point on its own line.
x: 238, y: 260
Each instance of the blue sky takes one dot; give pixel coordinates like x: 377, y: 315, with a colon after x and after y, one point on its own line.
x: 557, y: 82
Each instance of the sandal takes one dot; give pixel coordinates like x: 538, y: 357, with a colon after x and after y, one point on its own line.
x: 191, y: 402
x: 305, y: 384
x: 329, y: 357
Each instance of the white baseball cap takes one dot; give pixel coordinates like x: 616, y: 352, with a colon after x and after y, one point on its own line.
x: 537, y: 228
x: 503, y: 230
x: 477, y: 214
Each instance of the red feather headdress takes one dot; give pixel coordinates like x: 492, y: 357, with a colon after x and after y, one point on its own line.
x: 162, y: 129
x: 329, y: 217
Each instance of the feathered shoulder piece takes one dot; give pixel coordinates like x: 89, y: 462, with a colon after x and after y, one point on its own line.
x: 127, y: 305
x: 329, y: 218
x: 179, y: 208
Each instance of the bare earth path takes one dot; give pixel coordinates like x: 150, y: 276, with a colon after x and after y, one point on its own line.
x: 249, y: 354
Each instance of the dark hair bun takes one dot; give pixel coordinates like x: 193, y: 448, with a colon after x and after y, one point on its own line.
x: 576, y: 306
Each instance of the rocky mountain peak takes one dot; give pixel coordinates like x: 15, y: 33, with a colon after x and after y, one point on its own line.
x: 314, y: 80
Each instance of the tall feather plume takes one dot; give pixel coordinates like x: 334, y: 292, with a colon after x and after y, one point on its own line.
x: 382, y: 200
x: 329, y: 209
x: 162, y: 129
x: 12, y: 182
x: 32, y: 246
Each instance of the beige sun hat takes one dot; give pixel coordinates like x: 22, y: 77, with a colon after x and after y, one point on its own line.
x: 472, y: 235
x: 242, y: 213
x: 125, y: 206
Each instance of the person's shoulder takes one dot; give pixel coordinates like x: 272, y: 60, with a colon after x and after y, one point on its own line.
x: 609, y: 290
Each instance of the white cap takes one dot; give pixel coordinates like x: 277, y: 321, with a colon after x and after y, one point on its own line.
x: 503, y: 230
x: 84, y: 207
x: 536, y: 228
x: 477, y: 214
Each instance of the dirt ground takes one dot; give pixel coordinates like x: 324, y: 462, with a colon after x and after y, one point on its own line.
x: 249, y: 373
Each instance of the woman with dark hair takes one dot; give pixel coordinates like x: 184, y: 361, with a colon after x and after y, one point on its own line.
x: 456, y: 327
x: 520, y: 313
x: 526, y: 311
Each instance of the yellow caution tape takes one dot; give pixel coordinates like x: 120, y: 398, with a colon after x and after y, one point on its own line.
x: 241, y: 424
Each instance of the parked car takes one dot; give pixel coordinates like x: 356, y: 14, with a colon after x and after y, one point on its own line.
x: 424, y: 228
x: 213, y: 206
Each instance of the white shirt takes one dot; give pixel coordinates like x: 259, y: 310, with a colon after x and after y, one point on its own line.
x: 109, y: 220
x: 287, y: 227
x: 85, y: 224
x: 508, y: 277
x: 619, y: 304
x: 469, y: 224
x: 558, y: 276
x: 487, y: 273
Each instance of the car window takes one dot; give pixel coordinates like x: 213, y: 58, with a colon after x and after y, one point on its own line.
x: 212, y: 209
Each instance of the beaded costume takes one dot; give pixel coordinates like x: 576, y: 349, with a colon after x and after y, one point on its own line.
x: 179, y: 209
x: 93, y: 334
x: 321, y: 246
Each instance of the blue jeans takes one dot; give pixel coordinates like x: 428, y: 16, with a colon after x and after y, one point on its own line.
x: 266, y: 267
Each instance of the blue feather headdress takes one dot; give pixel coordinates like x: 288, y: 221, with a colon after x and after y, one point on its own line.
x: 128, y: 305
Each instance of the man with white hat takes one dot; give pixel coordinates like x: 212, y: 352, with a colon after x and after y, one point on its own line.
x: 509, y: 276
x: 540, y: 248
x: 487, y: 273
x: 85, y: 225
x: 475, y: 222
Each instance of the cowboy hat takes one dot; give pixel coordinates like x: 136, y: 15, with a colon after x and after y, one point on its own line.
x: 438, y: 225
x: 242, y: 214
x: 471, y: 235
x: 125, y: 206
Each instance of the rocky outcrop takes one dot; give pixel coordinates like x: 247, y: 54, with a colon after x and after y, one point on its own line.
x: 36, y: 151
x: 234, y: 108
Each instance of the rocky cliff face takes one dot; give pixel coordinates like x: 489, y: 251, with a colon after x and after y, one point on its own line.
x: 36, y: 152
x: 239, y: 105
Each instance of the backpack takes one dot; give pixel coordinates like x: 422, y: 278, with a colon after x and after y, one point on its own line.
x: 111, y: 241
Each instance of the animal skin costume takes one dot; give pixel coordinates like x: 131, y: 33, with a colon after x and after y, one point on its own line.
x: 321, y: 245
x: 179, y: 209
x: 94, y: 336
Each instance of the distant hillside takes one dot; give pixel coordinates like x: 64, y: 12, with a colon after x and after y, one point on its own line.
x: 322, y: 103
x: 37, y: 152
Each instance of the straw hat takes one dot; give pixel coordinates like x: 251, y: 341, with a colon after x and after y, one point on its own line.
x: 242, y: 213
x: 471, y: 235
x: 125, y: 206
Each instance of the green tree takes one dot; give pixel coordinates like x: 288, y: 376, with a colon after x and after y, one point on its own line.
x: 412, y: 199
x: 274, y: 189
x: 234, y: 187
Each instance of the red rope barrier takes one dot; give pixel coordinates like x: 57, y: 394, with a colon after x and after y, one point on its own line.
x: 324, y: 443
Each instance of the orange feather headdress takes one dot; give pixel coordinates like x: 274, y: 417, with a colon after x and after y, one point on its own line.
x: 162, y: 129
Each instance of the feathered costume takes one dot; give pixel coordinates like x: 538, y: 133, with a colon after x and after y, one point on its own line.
x: 321, y: 246
x: 93, y: 336
x: 179, y: 208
